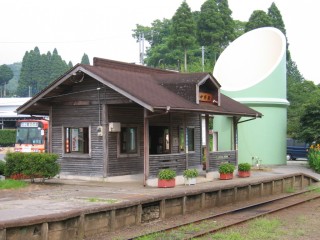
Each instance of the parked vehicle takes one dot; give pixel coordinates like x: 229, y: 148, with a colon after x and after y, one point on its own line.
x: 296, y: 149
x: 32, y: 136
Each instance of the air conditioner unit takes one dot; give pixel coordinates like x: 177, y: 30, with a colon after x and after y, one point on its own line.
x: 114, y: 127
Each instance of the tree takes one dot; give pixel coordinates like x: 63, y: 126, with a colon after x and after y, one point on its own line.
x: 216, y: 28
x: 276, y: 18
x: 70, y: 65
x: 258, y: 19
x: 5, y: 75
x: 310, y: 122
x: 39, y: 70
x: 299, y: 95
x: 183, y: 30
x: 85, y: 59
x: 228, y: 23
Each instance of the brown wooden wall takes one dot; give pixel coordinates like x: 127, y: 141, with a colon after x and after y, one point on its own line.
x: 130, y: 115
x: 80, y: 108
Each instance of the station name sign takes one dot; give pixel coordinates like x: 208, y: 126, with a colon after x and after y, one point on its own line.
x: 29, y: 124
x: 205, y: 97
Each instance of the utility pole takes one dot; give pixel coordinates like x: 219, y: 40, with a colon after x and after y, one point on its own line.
x: 202, y: 50
x: 141, y: 48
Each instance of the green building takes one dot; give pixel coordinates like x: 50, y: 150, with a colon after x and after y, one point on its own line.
x: 252, y: 70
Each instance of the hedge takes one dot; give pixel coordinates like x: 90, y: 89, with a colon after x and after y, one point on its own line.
x: 31, y: 165
x: 7, y: 137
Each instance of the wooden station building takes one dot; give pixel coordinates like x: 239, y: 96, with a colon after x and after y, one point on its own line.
x: 115, y: 120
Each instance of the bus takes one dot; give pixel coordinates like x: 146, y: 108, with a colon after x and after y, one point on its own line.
x: 32, y: 136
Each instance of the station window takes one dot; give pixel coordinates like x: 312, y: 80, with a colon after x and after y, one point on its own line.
x: 190, y: 139
x: 129, y: 140
x: 76, y: 140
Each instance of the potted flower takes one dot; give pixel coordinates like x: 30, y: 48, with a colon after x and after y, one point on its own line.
x: 190, y: 176
x: 166, y: 178
x: 244, y: 169
x: 226, y: 171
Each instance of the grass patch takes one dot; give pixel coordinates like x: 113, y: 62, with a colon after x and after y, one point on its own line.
x: 290, y: 190
x: 314, y: 189
x: 12, y: 184
x: 261, y: 228
x: 181, y: 233
x: 97, y: 200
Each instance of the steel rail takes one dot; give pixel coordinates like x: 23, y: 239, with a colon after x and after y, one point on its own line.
x: 238, y: 210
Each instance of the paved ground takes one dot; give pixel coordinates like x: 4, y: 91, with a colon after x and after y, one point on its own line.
x: 57, y: 196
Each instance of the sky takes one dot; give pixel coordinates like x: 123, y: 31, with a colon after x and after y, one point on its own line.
x: 103, y: 28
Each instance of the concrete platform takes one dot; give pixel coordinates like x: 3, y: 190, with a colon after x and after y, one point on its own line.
x: 81, y: 203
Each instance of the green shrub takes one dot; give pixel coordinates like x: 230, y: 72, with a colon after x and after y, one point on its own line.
x: 244, y: 167
x: 31, y: 165
x: 166, y: 174
x: 2, y: 165
x: 190, y: 173
x: 7, y: 137
x: 226, y: 168
x: 314, y: 157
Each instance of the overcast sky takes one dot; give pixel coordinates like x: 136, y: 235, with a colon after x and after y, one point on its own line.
x: 103, y: 28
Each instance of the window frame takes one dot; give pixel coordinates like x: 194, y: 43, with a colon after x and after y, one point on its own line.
x: 76, y: 154
x: 188, y: 137
x: 126, y: 155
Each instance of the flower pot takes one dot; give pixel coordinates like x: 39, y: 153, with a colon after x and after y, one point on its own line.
x: 244, y: 174
x: 226, y: 176
x: 190, y: 181
x: 164, y: 183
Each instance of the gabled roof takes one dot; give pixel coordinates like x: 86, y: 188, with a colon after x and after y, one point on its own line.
x: 145, y: 86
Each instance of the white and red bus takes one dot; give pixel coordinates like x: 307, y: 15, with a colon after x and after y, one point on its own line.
x: 32, y: 136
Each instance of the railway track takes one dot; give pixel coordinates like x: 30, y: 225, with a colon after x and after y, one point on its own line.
x: 228, y: 219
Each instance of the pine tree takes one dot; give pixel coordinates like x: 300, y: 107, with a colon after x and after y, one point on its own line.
x: 216, y: 28
x: 85, y: 59
x: 258, y: 19
x: 228, y: 23
x: 5, y: 75
x: 38, y: 71
x: 183, y: 30
x: 276, y: 18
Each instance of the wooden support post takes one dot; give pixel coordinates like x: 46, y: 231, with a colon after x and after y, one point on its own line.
x: 113, y: 220
x: 3, y: 234
x: 146, y: 147
x: 184, y: 205
x: 283, y: 185
x: 44, y: 231
x: 81, y: 228
x: 203, y: 200
x: 105, y: 139
x: 272, y: 188
x: 293, y: 181
x: 235, y: 194
x: 219, y: 198
x: 139, y: 214
x: 249, y: 192
x: 163, y: 209
x: 261, y: 189
x: 301, y: 181
x: 207, y: 142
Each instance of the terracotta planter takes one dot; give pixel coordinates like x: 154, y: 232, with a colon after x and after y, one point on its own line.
x: 244, y: 174
x: 163, y: 183
x: 226, y: 176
